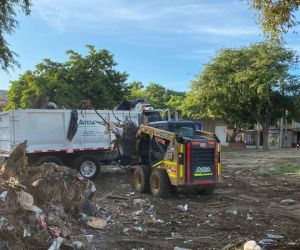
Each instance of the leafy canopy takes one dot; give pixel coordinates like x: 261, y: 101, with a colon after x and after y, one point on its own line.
x: 92, y: 77
x: 241, y: 85
x: 156, y: 94
x: 276, y: 16
x: 8, y: 23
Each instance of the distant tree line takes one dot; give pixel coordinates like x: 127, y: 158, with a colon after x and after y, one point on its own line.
x: 92, y: 77
x: 248, y: 85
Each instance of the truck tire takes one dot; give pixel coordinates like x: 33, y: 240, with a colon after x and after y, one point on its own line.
x: 141, y: 179
x: 207, y: 190
x: 49, y: 159
x: 88, y: 166
x: 160, y: 183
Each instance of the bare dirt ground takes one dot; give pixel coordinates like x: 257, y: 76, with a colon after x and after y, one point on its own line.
x: 142, y: 221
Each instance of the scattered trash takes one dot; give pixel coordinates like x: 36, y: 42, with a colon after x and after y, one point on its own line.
x: 77, y: 244
x: 138, y: 201
x: 55, y: 222
x: 126, y: 230
x: 175, y: 235
x: 270, y: 239
x: 183, y: 208
x: 96, y: 223
x: 274, y: 236
x: 93, y: 188
x: 181, y: 248
x: 56, y: 244
x: 266, y: 242
x: 109, y: 218
x: 138, y: 212
x: 89, y: 238
x: 158, y: 220
x: 26, y: 233
x: 209, y: 215
x: 288, y: 202
x: 249, y: 217
x: 251, y: 245
x: 60, y: 196
x: 41, y: 220
x: 138, y: 229
x: 232, y: 212
x: 3, y: 195
x: 151, y: 209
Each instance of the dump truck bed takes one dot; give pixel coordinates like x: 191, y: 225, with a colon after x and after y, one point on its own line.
x: 46, y: 130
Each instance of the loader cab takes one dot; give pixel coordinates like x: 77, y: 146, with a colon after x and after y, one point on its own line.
x: 175, y: 153
x: 182, y: 128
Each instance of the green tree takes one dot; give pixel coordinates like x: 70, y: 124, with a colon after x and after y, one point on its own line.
x: 135, y: 90
x: 276, y: 16
x: 250, y: 83
x: 8, y: 23
x: 156, y: 94
x: 92, y: 77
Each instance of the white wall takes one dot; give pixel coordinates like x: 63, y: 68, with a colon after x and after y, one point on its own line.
x: 220, y: 131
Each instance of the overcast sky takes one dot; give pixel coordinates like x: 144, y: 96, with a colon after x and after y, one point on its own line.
x: 162, y: 41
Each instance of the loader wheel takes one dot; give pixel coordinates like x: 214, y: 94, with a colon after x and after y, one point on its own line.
x: 141, y: 178
x: 160, y: 183
x: 207, y: 190
x: 88, y: 166
x: 49, y: 159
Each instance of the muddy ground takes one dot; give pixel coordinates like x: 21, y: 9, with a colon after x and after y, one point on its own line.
x: 141, y: 221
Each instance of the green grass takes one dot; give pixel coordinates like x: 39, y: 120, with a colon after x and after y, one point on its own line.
x: 281, y: 169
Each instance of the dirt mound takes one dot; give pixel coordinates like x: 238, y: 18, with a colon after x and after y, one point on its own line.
x: 40, y: 207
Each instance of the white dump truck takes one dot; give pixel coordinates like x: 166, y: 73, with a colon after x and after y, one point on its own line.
x: 75, y: 138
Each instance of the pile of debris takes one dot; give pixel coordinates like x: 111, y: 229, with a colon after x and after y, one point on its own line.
x: 44, y: 207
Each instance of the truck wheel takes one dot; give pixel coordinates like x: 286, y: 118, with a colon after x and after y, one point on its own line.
x: 88, y: 166
x: 49, y: 159
x: 207, y: 190
x: 160, y: 183
x: 141, y: 179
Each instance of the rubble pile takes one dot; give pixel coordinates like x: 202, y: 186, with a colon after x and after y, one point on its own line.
x: 43, y: 207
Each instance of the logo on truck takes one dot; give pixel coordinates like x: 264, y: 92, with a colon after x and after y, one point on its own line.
x: 87, y: 122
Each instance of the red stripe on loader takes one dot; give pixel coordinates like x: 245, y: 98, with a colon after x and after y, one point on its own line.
x: 188, y: 161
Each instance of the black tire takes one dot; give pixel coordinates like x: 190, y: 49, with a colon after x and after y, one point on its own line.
x: 88, y: 166
x: 49, y: 159
x: 207, y: 190
x: 160, y: 185
x: 141, y: 178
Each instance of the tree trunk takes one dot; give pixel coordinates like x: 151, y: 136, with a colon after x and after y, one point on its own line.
x: 265, y: 129
x: 232, y: 137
